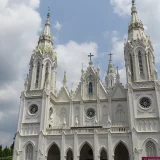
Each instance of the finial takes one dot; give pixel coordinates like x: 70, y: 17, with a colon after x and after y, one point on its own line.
x: 133, y: 9
x: 117, y: 76
x: 117, y: 69
x: 82, y: 68
x: 48, y: 15
x: 97, y: 65
x: 64, y: 79
x: 110, y: 57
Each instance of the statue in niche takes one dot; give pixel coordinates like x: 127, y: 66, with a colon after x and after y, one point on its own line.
x: 63, y: 116
x: 51, y: 113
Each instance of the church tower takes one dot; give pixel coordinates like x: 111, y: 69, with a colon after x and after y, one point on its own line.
x: 138, y: 52
x: 110, y: 78
x: 43, y: 63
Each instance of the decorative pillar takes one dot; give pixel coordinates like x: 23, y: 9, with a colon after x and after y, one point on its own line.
x: 98, y: 110
x: 96, y: 147
x: 76, y: 154
x: 81, y: 113
x: 63, y: 146
x: 147, y: 66
x: 135, y: 76
x: 71, y: 115
x: 110, y: 147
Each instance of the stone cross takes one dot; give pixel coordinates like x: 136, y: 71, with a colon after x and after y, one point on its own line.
x: 90, y: 55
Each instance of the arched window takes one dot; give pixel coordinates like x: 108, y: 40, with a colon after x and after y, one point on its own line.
x: 151, y: 149
x: 29, y: 152
x: 90, y: 87
x: 120, y: 116
x: 103, y: 155
x: 38, y: 73
x: 140, y: 63
x: 131, y: 67
x: 69, y: 155
x: 47, y: 71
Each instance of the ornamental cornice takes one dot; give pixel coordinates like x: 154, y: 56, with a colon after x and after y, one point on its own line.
x: 143, y: 85
x: 33, y: 93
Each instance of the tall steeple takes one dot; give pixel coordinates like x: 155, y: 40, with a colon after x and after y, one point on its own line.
x: 110, y: 76
x: 45, y: 43
x: 136, y: 28
x: 138, y: 51
x: 43, y: 62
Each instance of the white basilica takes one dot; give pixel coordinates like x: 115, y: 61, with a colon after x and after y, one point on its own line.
x: 96, y: 121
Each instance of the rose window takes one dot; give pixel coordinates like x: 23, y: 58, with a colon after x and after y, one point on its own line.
x: 145, y: 102
x: 33, y: 109
x: 90, y: 113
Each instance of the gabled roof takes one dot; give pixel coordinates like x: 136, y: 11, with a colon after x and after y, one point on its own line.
x: 63, y: 95
x: 118, y: 91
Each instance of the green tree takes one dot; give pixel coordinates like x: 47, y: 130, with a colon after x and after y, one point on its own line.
x: 1, y: 151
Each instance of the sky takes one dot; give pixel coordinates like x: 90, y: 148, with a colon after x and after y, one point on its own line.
x: 79, y: 27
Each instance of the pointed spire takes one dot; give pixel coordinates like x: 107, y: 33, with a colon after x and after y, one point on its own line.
x: 111, y: 74
x: 47, y: 30
x: 82, y: 70
x: 26, y: 83
x: 64, y: 79
x: 117, y: 76
x: 45, y: 43
x: 136, y: 25
x: 110, y: 65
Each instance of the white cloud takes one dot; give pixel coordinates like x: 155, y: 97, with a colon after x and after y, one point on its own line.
x: 6, y: 138
x: 70, y: 59
x: 34, y: 3
x: 121, y: 7
x: 20, y: 23
x: 149, y: 14
x: 58, y: 26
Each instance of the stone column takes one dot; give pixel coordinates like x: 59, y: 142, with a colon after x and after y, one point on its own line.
x: 75, y: 153
x: 110, y: 148
x: 81, y: 123
x: 71, y: 115
x: 63, y: 147
x: 147, y: 66
x: 96, y: 147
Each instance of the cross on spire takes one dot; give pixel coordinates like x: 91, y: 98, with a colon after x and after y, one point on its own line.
x: 90, y: 55
x: 110, y: 57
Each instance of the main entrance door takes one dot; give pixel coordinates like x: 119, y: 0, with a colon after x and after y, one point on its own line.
x: 121, y: 152
x: 54, y: 153
x: 86, y: 153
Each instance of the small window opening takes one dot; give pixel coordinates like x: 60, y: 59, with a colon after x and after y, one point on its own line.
x: 90, y: 87
x: 37, y: 74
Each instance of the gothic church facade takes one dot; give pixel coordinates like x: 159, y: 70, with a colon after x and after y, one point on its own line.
x: 97, y: 121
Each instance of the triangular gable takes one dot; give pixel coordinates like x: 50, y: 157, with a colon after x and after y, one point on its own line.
x: 102, y: 92
x: 118, y: 92
x: 90, y: 70
x: 77, y: 96
x: 63, y: 95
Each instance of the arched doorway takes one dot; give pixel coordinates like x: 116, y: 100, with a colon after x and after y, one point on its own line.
x: 121, y: 152
x: 86, y: 153
x: 69, y: 155
x: 103, y: 155
x: 54, y: 153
